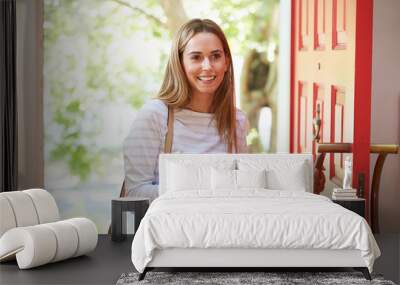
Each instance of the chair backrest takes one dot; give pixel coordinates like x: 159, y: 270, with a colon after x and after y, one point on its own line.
x: 233, y: 161
x: 381, y: 149
x: 26, y: 208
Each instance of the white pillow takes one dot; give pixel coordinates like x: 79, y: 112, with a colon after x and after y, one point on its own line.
x: 251, y: 178
x: 282, y: 173
x: 188, y: 177
x: 223, y: 179
x: 226, y: 179
x: 292, y: 179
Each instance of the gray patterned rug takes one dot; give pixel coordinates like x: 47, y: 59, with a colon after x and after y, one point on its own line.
x: 231, y: 278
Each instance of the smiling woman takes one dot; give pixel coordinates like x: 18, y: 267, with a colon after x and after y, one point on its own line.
x: 196, y: 101
x: 205, y: 64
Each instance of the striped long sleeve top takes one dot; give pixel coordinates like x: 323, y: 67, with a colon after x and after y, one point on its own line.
x: 194, y: 132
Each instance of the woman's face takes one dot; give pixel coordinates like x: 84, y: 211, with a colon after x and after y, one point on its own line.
x: 205, y: 63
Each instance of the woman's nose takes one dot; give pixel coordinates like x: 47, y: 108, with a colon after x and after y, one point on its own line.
x: 206, y: 63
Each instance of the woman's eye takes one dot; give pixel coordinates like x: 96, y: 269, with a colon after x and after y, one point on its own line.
x: 216, y: 56
x: 195, y: 57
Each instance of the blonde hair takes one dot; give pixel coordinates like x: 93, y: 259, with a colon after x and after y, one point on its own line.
x: 175, y: 89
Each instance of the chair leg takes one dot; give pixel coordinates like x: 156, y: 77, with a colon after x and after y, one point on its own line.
x: 364, y: 271
x: 143, y: 274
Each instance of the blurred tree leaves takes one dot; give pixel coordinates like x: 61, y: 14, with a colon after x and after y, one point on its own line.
x: 98, y: 52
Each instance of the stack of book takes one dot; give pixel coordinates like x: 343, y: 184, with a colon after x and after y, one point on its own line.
x: 344, y: 194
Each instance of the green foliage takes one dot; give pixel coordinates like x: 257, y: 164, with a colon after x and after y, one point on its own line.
x: 84, y: 69
x: 81, y: 161
x: 94, y: 53
x: 245, y: 22
x: 253, y: 141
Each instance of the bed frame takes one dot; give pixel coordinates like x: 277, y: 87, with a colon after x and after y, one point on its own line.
x: 242, y: 259
x: 246, y: 258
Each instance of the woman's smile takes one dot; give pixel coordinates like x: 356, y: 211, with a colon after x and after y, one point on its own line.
x: 206, y: 78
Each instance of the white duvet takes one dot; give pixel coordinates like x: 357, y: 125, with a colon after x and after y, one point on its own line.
x: 250, y: 219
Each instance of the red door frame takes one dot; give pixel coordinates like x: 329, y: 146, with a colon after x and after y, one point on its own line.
x: 362, y: 94
x: 362, y: 91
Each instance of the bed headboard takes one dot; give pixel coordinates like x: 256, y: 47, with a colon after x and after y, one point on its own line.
x: 231, y: 161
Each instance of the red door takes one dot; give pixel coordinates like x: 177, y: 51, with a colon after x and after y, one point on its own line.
x: 331, y: 77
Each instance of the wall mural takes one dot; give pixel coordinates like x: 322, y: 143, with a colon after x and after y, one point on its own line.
x: 104, y: 59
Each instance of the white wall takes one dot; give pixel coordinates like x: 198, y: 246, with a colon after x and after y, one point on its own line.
x: 385, y: 117
x: 283, y: 100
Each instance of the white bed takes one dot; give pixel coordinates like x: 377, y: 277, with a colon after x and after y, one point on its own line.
x: 247, y: 211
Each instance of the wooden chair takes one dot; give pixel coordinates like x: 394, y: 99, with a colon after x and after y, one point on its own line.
x: 123, y: 192
x: 381, y: 149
